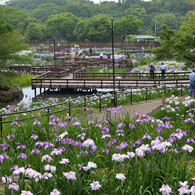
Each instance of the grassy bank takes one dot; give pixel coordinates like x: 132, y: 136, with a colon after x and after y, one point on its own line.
x: 9, y: 78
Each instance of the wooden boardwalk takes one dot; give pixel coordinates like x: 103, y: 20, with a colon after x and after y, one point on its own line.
x: 68, y: 82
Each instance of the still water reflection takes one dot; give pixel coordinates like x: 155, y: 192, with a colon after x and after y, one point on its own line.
x: 29, y: 95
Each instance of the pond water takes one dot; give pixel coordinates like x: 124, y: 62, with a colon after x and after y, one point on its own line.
x: 29, y: 95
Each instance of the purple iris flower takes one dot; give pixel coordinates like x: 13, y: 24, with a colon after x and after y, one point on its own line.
x: 36, y: 123
x: 14, y: 122
x: 122, y: 146
x: 105, y: 130
x: 13, y: 168
x: 10, y: 136
x: 92, y: 111
x: 94, y: 147
x: 3, y: 156
x: 21, y: 146
x: 167, y: 118
x: 131, y: 126
x: 76, y: 123
x: 120, y: 125
x: 159, y: 130
x: 190, y: 140
x: 106, y: 151
x: 34, y: 136
x: 146, y: 136
x: 35, y: 151
x: 138, y: 142
x: 62, y: 124
x: 22, y: 156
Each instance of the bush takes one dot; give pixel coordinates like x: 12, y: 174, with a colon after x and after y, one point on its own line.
x: 4, y: 84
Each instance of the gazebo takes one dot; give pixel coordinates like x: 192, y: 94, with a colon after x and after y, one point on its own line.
x: 146, y: 40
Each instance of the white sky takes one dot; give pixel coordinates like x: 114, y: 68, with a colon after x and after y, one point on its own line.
x: 2, y: 1
x: 97, y: 1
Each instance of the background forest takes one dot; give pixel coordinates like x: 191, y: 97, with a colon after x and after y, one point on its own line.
x: 82, y: 20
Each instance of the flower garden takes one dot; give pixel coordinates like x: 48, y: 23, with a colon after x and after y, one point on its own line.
x: 83, y: 155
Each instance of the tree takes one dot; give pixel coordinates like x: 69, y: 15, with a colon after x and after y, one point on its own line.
x: 97, y: 28
x: 35, y: 32
x: 18, y: 18
x: 136, y: 10
x: 168, y: 19
x: 178, y: 44
x: 126, y: 26
x: 11, y: 41
x: 43, y: 11
x: 81, y: 30
x: 62, y: 24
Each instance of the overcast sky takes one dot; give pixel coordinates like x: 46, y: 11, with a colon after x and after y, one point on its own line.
x: 97, y: 1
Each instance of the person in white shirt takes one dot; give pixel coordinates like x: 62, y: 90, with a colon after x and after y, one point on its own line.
x: 163, y: 68
x: 101, y: 56
x: 192, y: 82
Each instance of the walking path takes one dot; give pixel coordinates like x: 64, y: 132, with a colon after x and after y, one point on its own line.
x: 141, y: 107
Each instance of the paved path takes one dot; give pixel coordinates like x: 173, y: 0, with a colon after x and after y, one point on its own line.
x: 141, y: 107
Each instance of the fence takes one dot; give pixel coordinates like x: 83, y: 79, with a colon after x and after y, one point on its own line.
x: 130, y: 44
x: 83, y: 103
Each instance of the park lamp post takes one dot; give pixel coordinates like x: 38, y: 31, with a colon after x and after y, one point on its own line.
x: 155, y: 27
x: 113, y: 69
x: 54, y: 51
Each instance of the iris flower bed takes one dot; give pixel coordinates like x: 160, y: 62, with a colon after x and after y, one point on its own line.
x: 78, y: 107
x: 172, y: 66
x: 84, y: 155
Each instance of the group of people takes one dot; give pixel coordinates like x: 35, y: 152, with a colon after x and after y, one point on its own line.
x: 163, y: 68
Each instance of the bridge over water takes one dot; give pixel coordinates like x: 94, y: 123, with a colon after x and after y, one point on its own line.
x: 79, y: 81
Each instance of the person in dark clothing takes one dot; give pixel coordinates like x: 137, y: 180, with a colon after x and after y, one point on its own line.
x: 90, y: 50
x: 152, y: 69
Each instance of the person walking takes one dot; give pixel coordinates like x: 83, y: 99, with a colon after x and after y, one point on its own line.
x: 163, y: 67
x: 152, y: 69
x: 192, y: 83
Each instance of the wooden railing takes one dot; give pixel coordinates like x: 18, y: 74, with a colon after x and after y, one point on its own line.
x: 104, y: 83
x: 82, y: 101
x: 83, y: 74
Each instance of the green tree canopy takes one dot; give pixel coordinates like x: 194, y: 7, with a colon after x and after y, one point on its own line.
x: 168, y: 19
x: 178, y: 44
x: 137, y: 11
x: 43, y: 11
x: 126, y: 26
x: 35, y: 32
x: 61, y: 25
x: 11, y: 41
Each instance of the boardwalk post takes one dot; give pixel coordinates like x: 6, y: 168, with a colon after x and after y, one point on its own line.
x: 48, y: 113
x: 146, y: 94
x: 116, y: 99
x: 181, y: 90
x: 35, y: 92
x: 131, y: 97
x: 164, y: 89
x: 69, y: 109
x: 100, y: 102
x: 84, y: 103
x: 1, y: 125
